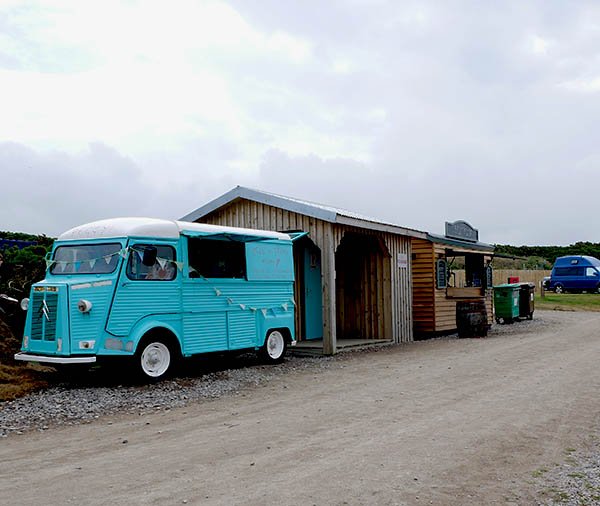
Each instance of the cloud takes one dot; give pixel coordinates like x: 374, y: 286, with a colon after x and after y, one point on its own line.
x: 51, y: 191
x: 415, y: 112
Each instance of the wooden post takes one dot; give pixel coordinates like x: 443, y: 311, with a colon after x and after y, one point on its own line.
x: 329, y: 302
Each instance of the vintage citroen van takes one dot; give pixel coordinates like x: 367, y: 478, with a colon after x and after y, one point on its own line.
x: 157, y: 290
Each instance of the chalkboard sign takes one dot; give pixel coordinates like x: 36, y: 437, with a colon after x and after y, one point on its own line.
x: 489, y: 277
x: 441, y: 273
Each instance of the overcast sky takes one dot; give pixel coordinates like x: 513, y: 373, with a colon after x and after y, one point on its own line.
x: 414, y: 112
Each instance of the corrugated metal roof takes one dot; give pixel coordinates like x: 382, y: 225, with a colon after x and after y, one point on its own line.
x: 313, y: 209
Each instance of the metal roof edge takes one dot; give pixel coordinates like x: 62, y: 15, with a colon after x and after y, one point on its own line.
x: 481, y: 246
x: 313, y: 210
x: 289, y: 205
x: 262, y: 198
x: 382, y: 227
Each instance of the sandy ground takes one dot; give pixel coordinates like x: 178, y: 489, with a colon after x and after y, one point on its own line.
x: 444, y: 422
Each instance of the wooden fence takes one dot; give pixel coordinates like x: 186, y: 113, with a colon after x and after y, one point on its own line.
x: 502, y: 275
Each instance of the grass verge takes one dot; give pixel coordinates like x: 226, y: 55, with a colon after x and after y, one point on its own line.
x: 16, y: 378
x: 569, y: 301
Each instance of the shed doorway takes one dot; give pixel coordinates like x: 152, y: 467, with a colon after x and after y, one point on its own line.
x: 363, y: 288
x: 308, y: 291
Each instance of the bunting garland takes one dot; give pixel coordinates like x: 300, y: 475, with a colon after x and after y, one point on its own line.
x: 62, y: 264
x: 285, y: 306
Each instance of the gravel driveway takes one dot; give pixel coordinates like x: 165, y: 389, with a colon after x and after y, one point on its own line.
x: 503, y: 420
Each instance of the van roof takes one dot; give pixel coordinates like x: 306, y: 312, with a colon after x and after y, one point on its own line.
x: 153, y: 227
x: 567, y: 260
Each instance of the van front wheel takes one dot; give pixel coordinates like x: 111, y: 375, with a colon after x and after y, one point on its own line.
x: 559, y: 289
x: 274, y: 348
x: 154, y: 359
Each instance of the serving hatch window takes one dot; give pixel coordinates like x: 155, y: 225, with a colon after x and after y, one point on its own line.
x: 85, y: 259
x: 476, y: 273
x: 215, y: 258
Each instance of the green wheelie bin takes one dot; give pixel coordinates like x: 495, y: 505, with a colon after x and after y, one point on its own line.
x: 506, y: 302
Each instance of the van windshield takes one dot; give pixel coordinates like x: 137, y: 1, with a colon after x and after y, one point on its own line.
x: 86, y: 259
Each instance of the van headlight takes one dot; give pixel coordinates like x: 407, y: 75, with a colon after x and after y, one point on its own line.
x: 24, y: 304
x: 85, y: 306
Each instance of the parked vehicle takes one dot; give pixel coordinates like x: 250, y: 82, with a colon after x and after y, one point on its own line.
x: 10, y: 312
x: 546, y: 283
x: 157, y: 290
x: 575, y: 274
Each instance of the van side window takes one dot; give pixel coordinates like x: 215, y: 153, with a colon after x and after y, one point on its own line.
x: 590, y: 271
x: 164, y: 268
x: 212, y: 258
x: 568, y: 271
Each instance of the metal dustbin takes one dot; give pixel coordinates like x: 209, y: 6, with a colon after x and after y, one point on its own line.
x: 506, y: 302
x: 526, y: 302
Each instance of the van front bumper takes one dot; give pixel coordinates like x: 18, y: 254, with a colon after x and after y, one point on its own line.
x: 54, y: 360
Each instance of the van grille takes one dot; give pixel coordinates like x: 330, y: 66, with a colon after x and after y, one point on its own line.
x: 43, y: 316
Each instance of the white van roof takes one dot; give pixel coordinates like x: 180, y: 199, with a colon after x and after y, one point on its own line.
x: 152, y: 227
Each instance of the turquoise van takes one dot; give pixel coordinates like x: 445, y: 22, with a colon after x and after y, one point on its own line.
x: 158, y: 290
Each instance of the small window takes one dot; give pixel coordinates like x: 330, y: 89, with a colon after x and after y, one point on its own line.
x: 591, y: 271
x: 164, y: 268
x: 212, y: 258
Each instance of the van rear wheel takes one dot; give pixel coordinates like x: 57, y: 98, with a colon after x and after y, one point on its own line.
x: 274, y: 348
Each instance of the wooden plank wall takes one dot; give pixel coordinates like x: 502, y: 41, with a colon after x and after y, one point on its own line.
x: 423, y: 285
x: 363, y: 287
x: 401, y: 287
x: 394, y: 298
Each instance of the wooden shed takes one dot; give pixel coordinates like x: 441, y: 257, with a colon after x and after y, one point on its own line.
x: 353, y: 273
x: 436, y: 290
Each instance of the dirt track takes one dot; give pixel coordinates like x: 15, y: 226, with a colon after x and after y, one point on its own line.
x: 436, y: 422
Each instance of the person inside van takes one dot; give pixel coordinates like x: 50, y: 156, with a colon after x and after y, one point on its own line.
x: 166, y: 272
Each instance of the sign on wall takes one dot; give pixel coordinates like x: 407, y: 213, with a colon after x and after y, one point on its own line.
x: 489, y: 277
x: 402, y: 260
x: 441, y: 273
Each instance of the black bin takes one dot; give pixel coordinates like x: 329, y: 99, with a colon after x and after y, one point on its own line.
x: 471, y: 318
x: 526, y: 300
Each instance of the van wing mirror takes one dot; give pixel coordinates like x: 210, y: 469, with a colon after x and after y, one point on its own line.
x: 149, y: 256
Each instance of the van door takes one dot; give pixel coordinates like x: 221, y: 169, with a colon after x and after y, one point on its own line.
x: 145, y: 290
x: 312, y: 296
x: 592, y: 279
